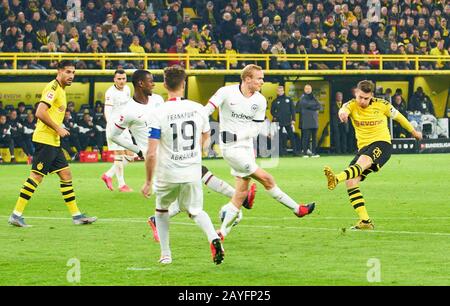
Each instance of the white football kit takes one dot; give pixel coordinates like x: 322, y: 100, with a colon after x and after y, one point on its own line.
x: 179, y: 124
x: 115, y: 101
x: 135, y: 117
x: 240, y: 120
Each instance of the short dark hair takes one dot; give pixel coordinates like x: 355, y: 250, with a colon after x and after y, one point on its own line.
x: 119, y: 71
x: 366, y: 86
x: 65, y: 63
x: 174, y: 76
x: 139, y: 75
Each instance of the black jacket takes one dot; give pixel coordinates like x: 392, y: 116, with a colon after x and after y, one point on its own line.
x: 283, y: 110
x: 308, y: 107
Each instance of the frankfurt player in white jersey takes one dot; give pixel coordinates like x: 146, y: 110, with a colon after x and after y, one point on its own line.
x: 242, y: 111
x: 173, y: 162
x: 136, y: 115
x: 116, y: 97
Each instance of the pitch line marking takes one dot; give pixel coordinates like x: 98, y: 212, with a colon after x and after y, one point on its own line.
x: 136, y: 220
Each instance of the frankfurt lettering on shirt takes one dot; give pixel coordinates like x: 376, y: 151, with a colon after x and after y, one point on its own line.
x: 182, y: 116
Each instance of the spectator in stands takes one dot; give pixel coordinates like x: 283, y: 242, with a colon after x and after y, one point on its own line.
x: 29, y: 125
x: 439, y: 50
x: 74, y: 138
x: 17, y: 136
x: 5, y: 136
x: 243, y: 41
x: 87, y: 133
x: 420, y: 102
x: 229, y: 50
x: 398, y: 130
x: 21, y: 111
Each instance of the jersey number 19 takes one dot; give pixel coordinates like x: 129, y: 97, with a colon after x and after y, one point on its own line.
x: 176, y: 130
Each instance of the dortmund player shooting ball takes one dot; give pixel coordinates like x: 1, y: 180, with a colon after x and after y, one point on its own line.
x: 223, y: 212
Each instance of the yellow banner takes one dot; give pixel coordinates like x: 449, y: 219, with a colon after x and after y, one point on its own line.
x: 30, y: 92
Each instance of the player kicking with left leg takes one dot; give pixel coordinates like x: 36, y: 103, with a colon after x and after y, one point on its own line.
x: 242, y: 111
x: 174, y: 155
x: 369, y: 117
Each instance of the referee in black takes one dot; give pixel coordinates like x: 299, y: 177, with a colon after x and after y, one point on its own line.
x: 283, y: 112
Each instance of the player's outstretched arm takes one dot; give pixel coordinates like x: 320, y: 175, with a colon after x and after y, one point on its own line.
x: 118, y: 137
x: 397, y: 116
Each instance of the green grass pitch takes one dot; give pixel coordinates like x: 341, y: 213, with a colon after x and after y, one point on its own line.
x: 408, y: 201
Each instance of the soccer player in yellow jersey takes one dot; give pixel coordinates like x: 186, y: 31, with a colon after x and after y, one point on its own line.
x: 48, y: 156
x: 369, y: 117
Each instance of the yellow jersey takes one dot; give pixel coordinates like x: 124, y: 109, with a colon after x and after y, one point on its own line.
x: 371, y: 123
x: 55, y: 97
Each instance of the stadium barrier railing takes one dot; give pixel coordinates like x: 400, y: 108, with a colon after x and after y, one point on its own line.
x: 228, y: 60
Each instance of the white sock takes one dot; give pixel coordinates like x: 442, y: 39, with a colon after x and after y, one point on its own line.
x: 283, y: 198
x: 125, y: 160
x: 162, y: 226
x: 218, y: 185
x: 204, y: 221
x: 174, y: 209
x: 119, y: 170
x: 111, y: 171
x: 231, y: 213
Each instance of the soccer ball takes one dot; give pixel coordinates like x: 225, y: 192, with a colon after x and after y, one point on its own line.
x: 223, y: 212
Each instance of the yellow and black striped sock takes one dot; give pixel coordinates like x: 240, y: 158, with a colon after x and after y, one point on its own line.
x: 349, y: 173
x: 357, y: 201
x: 26, y: 192
x: 69, y: 197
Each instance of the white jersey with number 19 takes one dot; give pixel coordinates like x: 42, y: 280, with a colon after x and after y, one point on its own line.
x: 179, y: 124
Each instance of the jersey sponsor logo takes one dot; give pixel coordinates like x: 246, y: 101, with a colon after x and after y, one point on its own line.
x: 241, y: 116
x: 367, y: 123
x: 50, y: 95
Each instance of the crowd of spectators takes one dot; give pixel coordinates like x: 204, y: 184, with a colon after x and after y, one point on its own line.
x: 228, y: 27
x: 86, y: 126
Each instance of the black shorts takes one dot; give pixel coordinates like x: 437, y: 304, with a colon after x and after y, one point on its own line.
x: 379, y: 151
x: 48, y: 159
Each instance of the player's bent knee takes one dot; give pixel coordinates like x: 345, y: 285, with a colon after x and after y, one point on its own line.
x: 36, y: 176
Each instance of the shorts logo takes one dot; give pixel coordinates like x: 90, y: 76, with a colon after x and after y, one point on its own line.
x: 247, y: 167
x: 40, y: 166
x: 377, y: 152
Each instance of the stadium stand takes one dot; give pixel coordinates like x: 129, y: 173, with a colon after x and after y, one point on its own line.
x: 290, y: 27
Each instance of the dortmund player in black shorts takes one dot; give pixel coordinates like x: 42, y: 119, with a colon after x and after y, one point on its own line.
x: 369, y: 117
x: 49, y: 157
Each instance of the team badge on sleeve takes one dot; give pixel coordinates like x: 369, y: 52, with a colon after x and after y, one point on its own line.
x: 50, y: 95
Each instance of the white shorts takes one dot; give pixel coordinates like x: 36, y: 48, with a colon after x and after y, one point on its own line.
x: 241, y: 160
x: 112, y: 146
x: 188, y: 195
